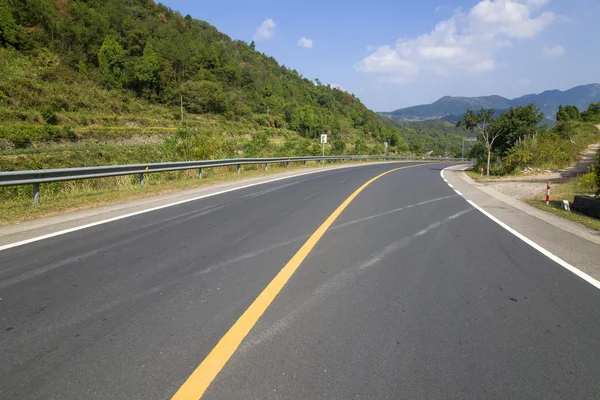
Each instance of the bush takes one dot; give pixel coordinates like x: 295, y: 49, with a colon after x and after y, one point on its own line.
x: 258, y: 146
x: 49, y: 115
x: 598, y: 175
x: 555, y: 149
x: 21, y: 136
x: 198, y: 144
x: 338, y: 147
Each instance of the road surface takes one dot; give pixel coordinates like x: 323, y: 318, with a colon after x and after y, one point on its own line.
x: 410, y: 293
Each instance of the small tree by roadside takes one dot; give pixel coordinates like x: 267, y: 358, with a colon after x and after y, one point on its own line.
x: 482, y: 124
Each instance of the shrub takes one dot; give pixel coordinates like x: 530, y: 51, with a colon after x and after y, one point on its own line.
x: 198, y: 144
x: 338, y: 147
x: 21, y: 136
x: 49, y: 115
x: 598, y: 175
x: 258, y: 146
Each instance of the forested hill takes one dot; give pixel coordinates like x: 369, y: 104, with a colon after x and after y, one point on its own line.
x: 129, y: 56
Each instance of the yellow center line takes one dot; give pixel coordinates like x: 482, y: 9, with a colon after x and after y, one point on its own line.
x: 195, y: 386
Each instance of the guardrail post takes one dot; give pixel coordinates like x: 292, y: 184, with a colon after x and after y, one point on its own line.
x: 266, y: 166
x: 239, y: 168
x: 142, y: 180
x: 287, y: 164
x: 199, y: 173
x: 305, y: 162
x: 36, y: 194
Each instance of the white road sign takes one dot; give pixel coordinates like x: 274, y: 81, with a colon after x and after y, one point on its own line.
x: 324, y: 139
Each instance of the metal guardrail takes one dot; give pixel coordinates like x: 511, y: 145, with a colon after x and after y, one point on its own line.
x: 36, y: 177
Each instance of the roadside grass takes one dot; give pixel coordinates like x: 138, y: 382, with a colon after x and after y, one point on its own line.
x: 76, y: 197
x: 476, y: 176
x: 581, y: 185
x: 554, y: 208
x: 473, y: 174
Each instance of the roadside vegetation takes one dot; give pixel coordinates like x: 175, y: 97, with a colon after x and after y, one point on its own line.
x: 585, y: 184
x: 63, y: 197
x: 514, y: 141
x: 109, y: 82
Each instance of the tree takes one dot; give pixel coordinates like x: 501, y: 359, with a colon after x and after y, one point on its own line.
x: 146, y: 70
x: 8, y: 26
x: 481, y: 123
x: 111, y: 60
x: 516, y: 124
x: 568, y: 113
x: 204, y: 97
x: 592, y: 114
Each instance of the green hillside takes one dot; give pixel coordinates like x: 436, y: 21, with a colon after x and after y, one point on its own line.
x: 105, y: 82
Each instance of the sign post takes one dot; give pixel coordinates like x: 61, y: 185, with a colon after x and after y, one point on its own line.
x: 323, y: 142
x: 385, y: 146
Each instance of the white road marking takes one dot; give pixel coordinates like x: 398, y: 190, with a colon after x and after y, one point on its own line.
x: 449, y: 184
x: 533, y: 244
x: 345, y: 180
x: 246, y: 256
x: 105, y: 221
x: 457, y: 192
x: 314, y: 194
x: 389, y: 212
x: 539, y: 248
x: 337, y: 282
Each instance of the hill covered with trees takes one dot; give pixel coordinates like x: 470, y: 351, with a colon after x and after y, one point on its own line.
x: 126, y: 75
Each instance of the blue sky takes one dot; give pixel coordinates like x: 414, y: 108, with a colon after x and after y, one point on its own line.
x: 394, y: 54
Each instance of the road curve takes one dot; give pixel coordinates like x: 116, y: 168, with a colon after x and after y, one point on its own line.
x: 410, y: 293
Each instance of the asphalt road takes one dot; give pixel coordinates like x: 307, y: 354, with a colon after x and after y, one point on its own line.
x: 411, y: 294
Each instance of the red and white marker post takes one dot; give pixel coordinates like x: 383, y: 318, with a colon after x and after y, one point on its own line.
x: 548, y: 193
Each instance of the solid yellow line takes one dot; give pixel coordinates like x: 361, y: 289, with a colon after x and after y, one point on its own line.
x: 195, y: 386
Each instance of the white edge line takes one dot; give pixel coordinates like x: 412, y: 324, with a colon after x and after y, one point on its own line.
x: 104, y: 221
x: 539, y: 248
x: 458, y: 193
x: 533, y: 244
x: 449, y: 184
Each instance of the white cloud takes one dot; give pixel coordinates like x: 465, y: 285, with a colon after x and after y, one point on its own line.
x: 305, y: 42
x: 554, y: 51
x: 524, y: 82
x: 467, y: 42
x: 510, y: 17
x: 386, y: 61
x: 265, y: 31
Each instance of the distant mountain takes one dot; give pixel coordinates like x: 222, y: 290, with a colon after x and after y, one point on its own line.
x: 450, y: 108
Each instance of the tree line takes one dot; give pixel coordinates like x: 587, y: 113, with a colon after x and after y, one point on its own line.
x: 516, y: 137
x: 162, y: 56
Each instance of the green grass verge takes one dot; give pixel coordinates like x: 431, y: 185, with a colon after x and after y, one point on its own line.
x: 554, y: 208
